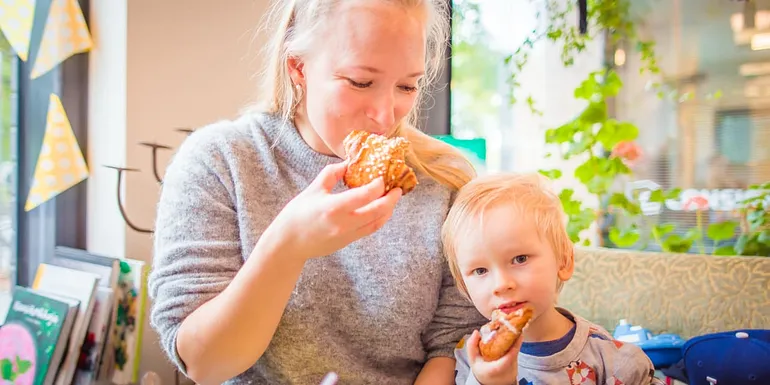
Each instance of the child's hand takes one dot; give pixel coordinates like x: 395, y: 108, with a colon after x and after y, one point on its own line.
x: 500, y: 372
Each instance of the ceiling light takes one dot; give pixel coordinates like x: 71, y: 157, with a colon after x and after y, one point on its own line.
x: 760, y: 41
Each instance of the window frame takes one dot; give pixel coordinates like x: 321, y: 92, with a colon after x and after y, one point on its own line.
x: 62, y: 219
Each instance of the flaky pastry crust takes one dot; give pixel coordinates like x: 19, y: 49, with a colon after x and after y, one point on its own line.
x: 500, y: 334
x: 372, y: 156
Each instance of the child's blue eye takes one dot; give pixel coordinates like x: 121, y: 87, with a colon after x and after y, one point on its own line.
x: 479, y: 271
x: 520, y: 259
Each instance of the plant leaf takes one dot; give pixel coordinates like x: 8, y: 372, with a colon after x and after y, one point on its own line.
x: 764, y: 237
x: 612, y: 84
x: 724, y: 250
x: 721, y: 231
x: 625, y: 237
x: 22, y: 365
x: 587, y: 89
x: 551, y: 174
x: 613, y: 132
x: 620, y: 200
x: 740, y: 244
x: 694, y: 234
x: 676, y: 244
x: 661, y: 230
x: 6, y: 369
x: 756, y: 218
x: 657, y: 196
x: 596, y: 112
x: 674, y: 193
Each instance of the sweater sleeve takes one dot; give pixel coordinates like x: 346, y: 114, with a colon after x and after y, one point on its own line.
x: 196, y: 241
x: 455, y: 317
x: 631, y: 366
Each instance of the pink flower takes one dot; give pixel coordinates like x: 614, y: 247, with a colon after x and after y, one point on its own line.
x: 699, y: 202
x: 627, y: 150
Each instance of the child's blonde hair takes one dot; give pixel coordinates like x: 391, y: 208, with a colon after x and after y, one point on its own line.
x: 297, y: 24
x: 528, y: 194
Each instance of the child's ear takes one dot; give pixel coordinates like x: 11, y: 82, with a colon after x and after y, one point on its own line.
x: 568, y: 267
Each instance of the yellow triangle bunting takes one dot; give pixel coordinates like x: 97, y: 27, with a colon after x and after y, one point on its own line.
x: 60, y: 164
x: 65, y: 34
x: 16, y: 18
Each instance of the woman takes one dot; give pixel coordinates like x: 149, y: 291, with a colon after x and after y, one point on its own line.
x: 266, y: 269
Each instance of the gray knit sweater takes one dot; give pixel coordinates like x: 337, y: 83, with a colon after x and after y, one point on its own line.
x: 373, y: 312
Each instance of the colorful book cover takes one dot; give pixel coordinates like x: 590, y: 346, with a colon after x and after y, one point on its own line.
x: 132, y: 298
x: 75, y: 284
x: 98, y: 328
x: 28, y: 339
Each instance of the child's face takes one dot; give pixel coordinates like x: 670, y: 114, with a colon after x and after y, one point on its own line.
x: 506, y: 264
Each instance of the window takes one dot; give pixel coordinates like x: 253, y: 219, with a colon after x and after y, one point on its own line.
x: 8, y: 109
x: 706, y: 132
x: 479, y: 105
x: 28, y: 238
x: 711, y: 139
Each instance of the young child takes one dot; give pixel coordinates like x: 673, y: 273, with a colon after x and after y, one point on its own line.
x: 507, y: 247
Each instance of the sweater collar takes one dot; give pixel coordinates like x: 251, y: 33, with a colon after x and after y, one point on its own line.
x: 563, y: 358
x: 289, y: 146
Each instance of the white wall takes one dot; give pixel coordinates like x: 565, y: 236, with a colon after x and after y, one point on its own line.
x: 521, y: 143
x: 158, y: 65
x: 106, y: 125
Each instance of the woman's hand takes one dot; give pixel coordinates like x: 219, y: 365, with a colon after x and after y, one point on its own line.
x: 317, y: 223
x: 499, y: 372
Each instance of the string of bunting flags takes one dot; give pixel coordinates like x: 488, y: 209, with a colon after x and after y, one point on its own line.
x: 60, y: 164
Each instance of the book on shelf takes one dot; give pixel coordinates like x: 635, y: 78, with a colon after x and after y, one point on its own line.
x: 33, y: 339
x: 101, y: 336
x: 95, y: 351
x: 80, y: 285
x: 132, y: 294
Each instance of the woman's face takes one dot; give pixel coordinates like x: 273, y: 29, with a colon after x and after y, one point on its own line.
x: 364, y: 75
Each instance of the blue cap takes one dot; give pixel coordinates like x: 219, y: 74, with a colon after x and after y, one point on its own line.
x: 728, y: 358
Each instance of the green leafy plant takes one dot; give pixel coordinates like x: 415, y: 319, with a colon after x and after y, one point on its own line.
x: 606, y: 146
x: 604, y: 16
x: 11, y: 370
x: 591, y: 136
x: 755, y: 222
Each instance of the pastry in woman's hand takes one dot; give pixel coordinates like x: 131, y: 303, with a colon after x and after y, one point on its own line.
x: 501, y: 333
x: 371, y: 156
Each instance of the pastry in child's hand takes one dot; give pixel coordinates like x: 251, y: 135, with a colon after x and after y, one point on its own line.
x: 501, y: 333
x: 372, y: 156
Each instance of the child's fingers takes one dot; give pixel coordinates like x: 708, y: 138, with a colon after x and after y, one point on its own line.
x: 472, y: 346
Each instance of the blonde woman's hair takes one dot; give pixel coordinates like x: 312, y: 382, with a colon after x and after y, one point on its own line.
x: 296, y: 25
x: 528, y: 194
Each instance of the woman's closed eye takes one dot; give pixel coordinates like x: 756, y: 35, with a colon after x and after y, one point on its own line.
x: 359, y: 84
x: 406, y: 88
x: 520, y: 259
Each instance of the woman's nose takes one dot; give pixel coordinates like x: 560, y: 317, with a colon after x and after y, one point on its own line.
x: 383, y: 111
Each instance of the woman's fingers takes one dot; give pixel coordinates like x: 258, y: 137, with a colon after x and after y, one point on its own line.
x: 330, y: 175
x: 355, y: 198
x: 378, y: 208
x: 373, y: 216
